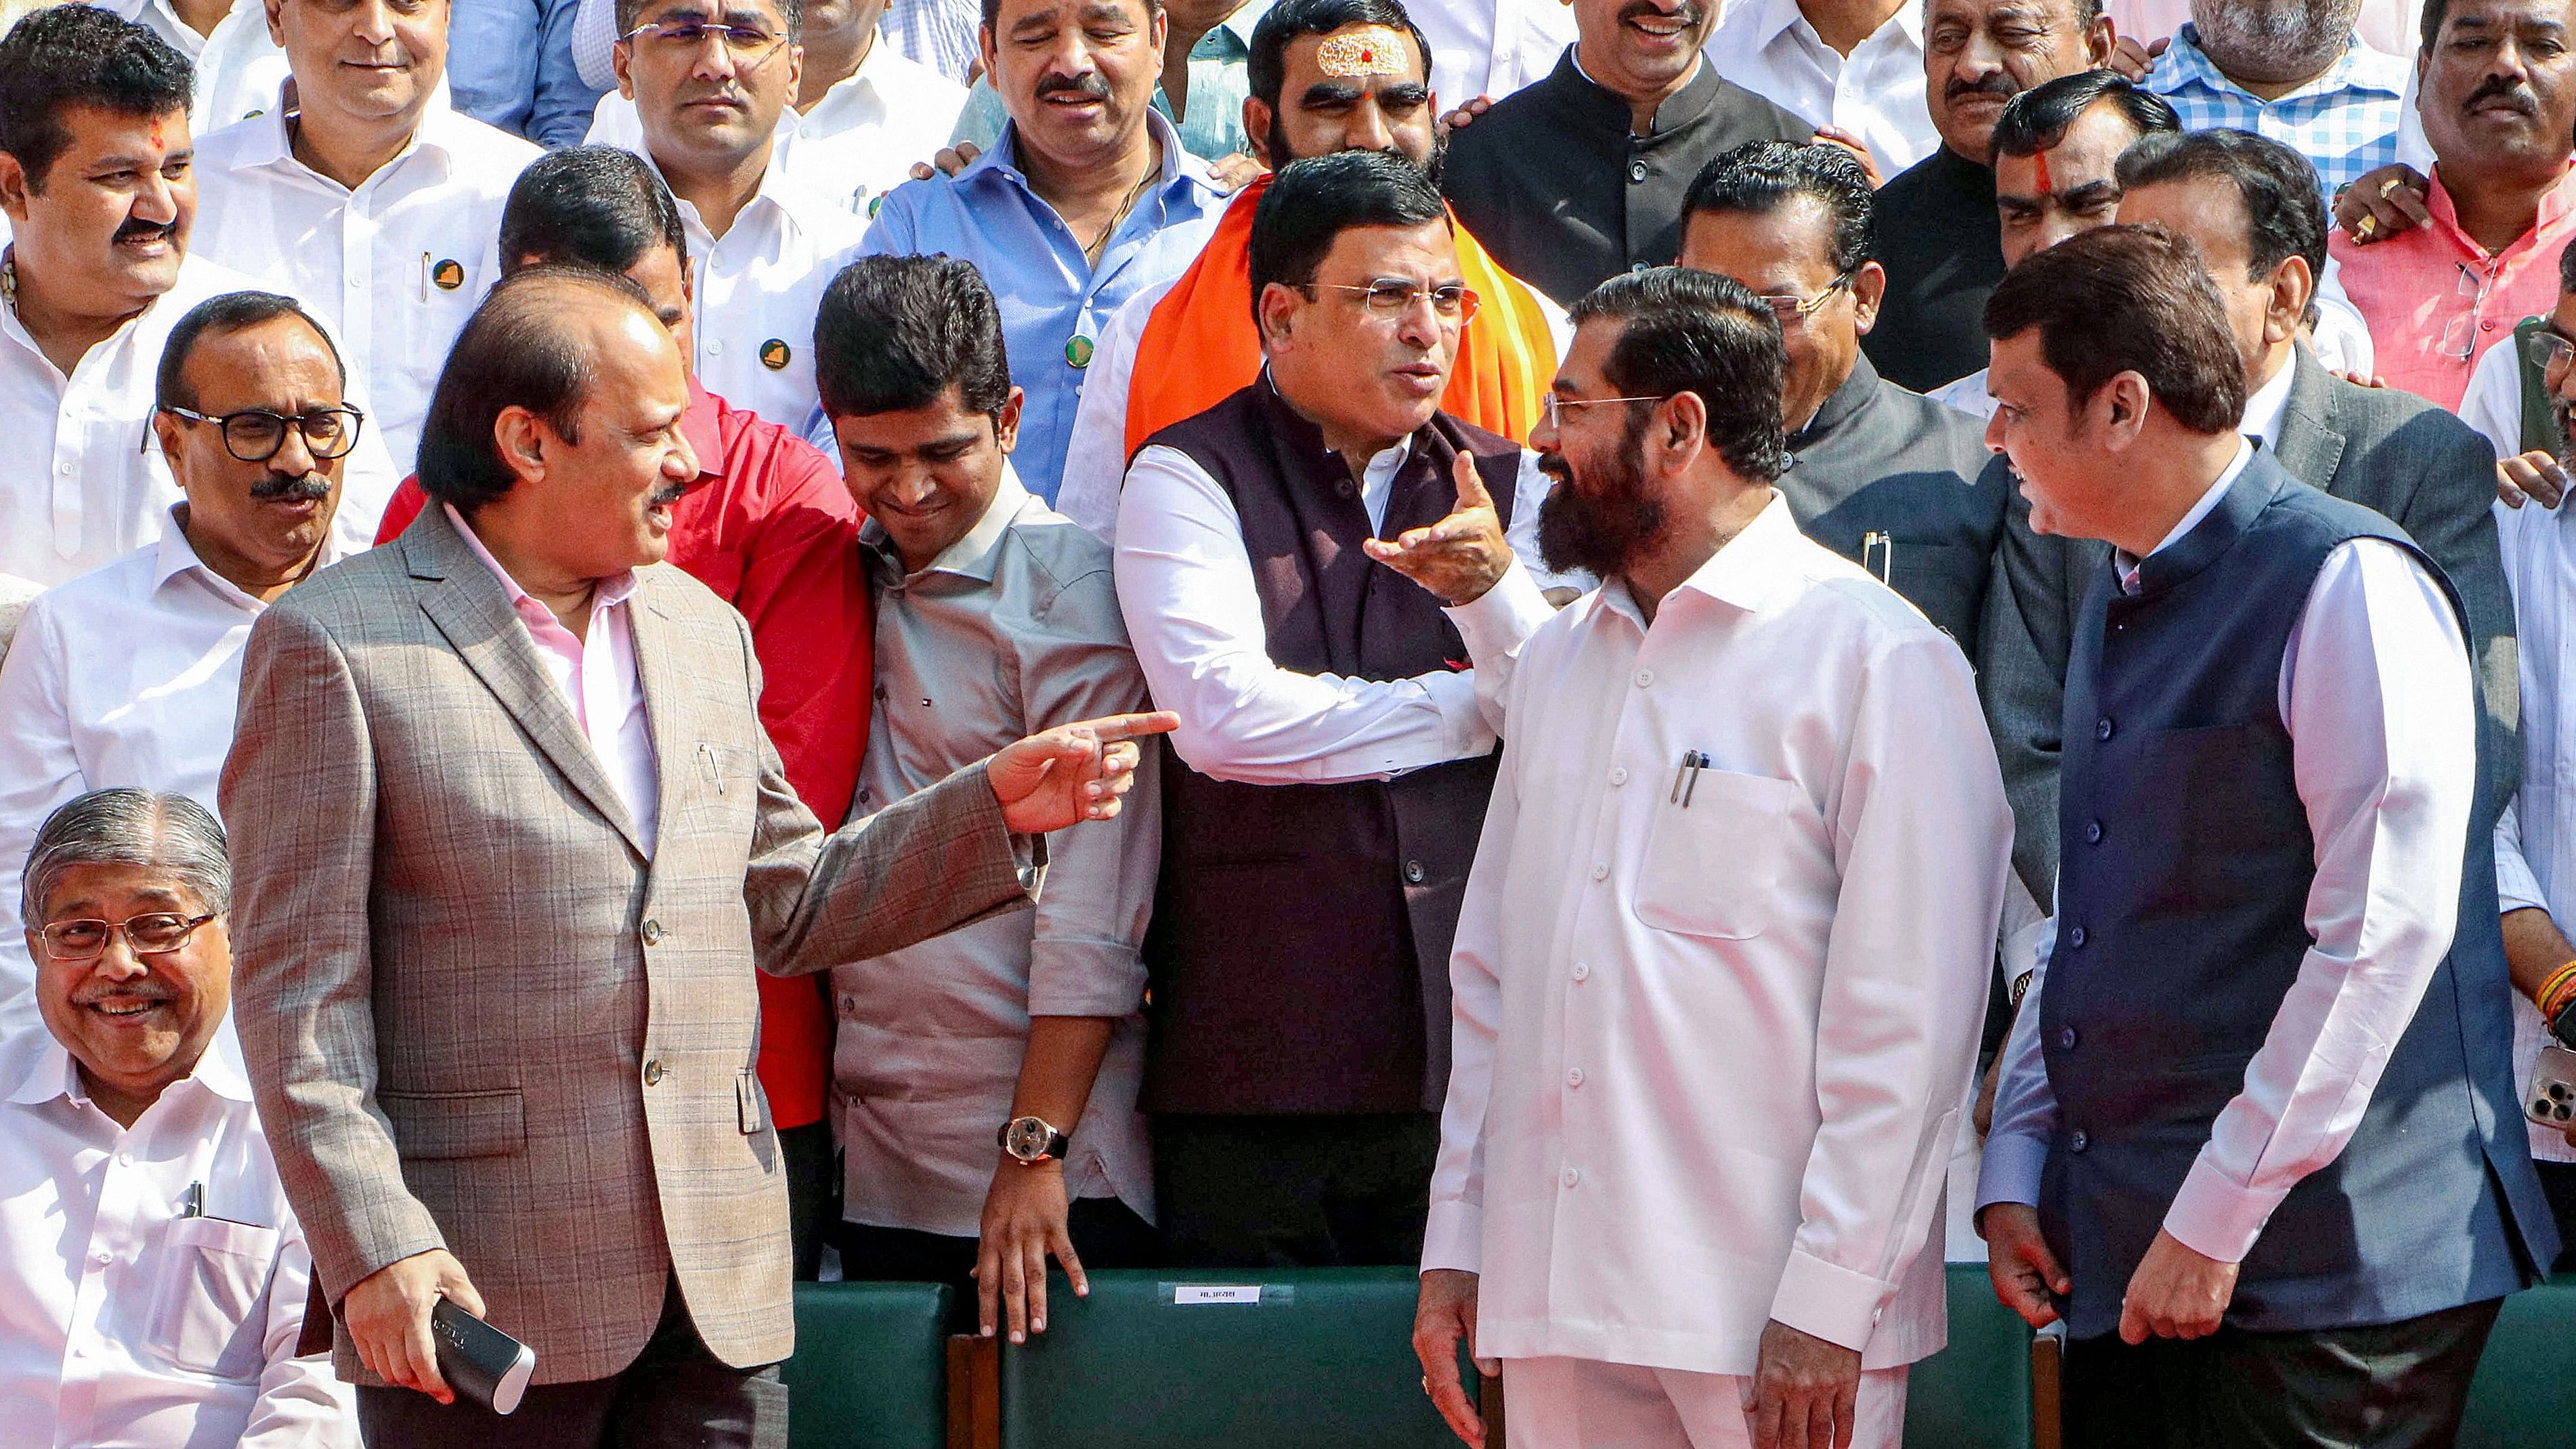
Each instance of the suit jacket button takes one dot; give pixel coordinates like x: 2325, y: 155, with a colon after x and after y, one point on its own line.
x: 2075, y: 938
x: 652, y: 933
x: 2079, y: 1142
x: 653, y: 1072
x: 2102, y: 728
x: 1414, y: 873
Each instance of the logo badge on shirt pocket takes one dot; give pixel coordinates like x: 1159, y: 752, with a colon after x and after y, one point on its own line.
x: 447, y: 275
x: 775, y: 354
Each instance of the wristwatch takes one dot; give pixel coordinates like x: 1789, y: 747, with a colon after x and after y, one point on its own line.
x: 1032, y: 1140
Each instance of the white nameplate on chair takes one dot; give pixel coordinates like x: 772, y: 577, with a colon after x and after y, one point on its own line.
x: 1188, y: 1293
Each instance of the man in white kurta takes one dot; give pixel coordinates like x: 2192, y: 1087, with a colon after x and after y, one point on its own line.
x: 1714, y: 1022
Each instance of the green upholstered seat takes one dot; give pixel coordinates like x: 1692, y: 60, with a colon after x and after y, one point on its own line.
x: 2523, y: 1396
x: 871, y: 1368
x: 1325, y: 1357
x: 1975, y: 1393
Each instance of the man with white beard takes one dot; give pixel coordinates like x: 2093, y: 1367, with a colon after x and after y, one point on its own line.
x: 2294, y: 71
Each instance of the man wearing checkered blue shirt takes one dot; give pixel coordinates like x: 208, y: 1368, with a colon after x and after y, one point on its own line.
x: 2290, y: 71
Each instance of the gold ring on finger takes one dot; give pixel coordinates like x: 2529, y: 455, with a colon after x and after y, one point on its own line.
x: 2362, y: 229
x: 2389, y: 185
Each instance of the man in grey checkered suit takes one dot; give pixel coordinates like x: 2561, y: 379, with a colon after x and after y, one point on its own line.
x: 509, y: 842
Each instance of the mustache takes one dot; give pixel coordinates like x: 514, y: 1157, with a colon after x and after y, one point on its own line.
x: 669, y: 493
x: 1687, y: 13
x: 2000, y: 85
x: 726, y: 91
x: 311, y: 487
x: 2514, y: 92
x: 137, y: 229
x: 148, y: 989
x: 1555, y: 466
x: 1089, y: 84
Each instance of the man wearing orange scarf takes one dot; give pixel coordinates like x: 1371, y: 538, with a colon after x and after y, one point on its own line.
x: 1326, y: 75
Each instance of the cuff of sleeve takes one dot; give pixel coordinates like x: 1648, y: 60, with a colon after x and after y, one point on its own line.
x: 1454, y: 1237
x: 2216, y: 1218
x: 1835, y: 1304
x: 1499, y: 620
x: 1454, y: 695
x: 2009, y: 1170
x: 396, y: 1231
x: 1069, y: 976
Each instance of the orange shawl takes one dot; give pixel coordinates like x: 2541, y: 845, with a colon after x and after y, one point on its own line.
x: 1200, y: 345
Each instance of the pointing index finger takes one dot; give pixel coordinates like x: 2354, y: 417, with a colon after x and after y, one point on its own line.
x: 1471, y: 484
x: 1129, y: 726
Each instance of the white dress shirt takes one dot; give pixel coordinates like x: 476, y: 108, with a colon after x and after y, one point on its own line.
x: 92, y: 487
x: 1713, y: 1031
x: 1185, y: 584
x: 2535, y: 841
x: 1876, y: 93
x: 2492, y: 406
x: 238, y: 66
x: 1491, y: 47
x: 395, y: 267
x: 2375, y: 693
x: 127, y: 675
x: 757, y: 288
x: 597, y: 677
x: 858, y: 143
x: 125, y: 1324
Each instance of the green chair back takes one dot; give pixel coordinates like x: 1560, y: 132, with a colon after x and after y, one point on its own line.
x: 1975, y: 1393
x: 2523, y: 1395
x: 871, y: 1367
x: 1188, y: 1359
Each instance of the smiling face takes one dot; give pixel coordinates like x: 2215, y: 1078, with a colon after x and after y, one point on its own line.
x: 361, y: 61
x: 2063, y: 189
x: 1076, y: 76
x: 103, y: 230
x: 2499, y: 89
x: 134, y: 1023
x: 1359, y: 373
x: 596, y: 505
x: 1322, y: 113
x: 710, y: 104
x: 927, y: 474
x: 258, y: 520
x: 1641, y: 48
x: 1978, y: 54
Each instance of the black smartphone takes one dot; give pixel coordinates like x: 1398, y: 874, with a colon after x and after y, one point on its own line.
x: 479, y: 1361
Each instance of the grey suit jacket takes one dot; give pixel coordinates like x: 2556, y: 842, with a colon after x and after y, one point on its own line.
x: 2390, y: 451
x: 478, y: 1015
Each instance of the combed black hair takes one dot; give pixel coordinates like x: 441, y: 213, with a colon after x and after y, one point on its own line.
x: 80, y: 55
x: 993, y: 11
x: 2128, y: 299
x: 1265, y: 70
x: 2037, y: 118
x: 2284, y: 216
x: 230, y: 312
x: 597, y: 206
x: 1311, y: 202
x: 1760, y: 177
x: 514, y: 352
x: 1698, y: 332
x: 895, y: 332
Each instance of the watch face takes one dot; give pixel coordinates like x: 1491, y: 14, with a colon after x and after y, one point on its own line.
x: 1026, y: 1138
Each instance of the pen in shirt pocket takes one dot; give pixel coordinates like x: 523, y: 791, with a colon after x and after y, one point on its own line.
x: 1686, y: 778
x: 193, y: 1205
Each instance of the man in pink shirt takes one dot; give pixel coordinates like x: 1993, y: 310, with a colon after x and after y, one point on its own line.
x: 2498, y: 101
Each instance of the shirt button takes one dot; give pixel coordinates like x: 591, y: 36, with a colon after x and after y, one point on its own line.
x: 653, y: 1072
x: 2075, y: 938
x: 2066, y: 1039
x: 1641, y: 266
x: 2488, y: 326
x: 65, y: 470
x: 1619, y: 775
x: 2079, y: 1142
x: 1645, y: 678
x: 358, y: 283
x: 2093, y: 832
x: 1574, y: 1077
x: 2102, y: 728
x: 1636, y: 171
x: 652, y: 933
x: 715, y: 347
x: 1600, y: 870
x: 1570, y: 1177
x: 1413, y: 872
x: 102, y: 1257
x: 1582, y: 971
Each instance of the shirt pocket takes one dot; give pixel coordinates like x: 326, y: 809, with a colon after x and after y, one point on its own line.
x: 1712, y: 867
x: 204, y: 1310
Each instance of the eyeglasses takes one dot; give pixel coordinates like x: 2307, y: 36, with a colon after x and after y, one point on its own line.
x: 748, y: 45
x: 1790, y: 308
x: 255, y: 434
x: 1552, y: 408
x: 1394, y: 296
x: 156, y: 933
x: 2460, y: 335
x: 2549, y: 351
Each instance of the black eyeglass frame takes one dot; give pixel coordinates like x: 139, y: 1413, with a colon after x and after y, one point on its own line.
x: 355, y: 416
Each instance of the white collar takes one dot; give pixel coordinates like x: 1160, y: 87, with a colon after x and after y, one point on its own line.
x: 49, y: 1074
x: 437, y: 134
x: 175, y: 555
x: 2263, y: 410
x: 2208, y: 501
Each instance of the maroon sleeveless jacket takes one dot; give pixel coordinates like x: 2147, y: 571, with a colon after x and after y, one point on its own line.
x: 1299, y: 953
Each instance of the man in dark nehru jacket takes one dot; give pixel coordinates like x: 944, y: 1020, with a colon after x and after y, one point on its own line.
x: 1880, y: 475
x: 1325, y: 791
x: 2256, y: 1138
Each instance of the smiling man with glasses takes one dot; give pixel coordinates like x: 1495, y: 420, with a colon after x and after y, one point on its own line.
x: 128, y: 674
x: 1323, y: 794
x: 1882, y: 476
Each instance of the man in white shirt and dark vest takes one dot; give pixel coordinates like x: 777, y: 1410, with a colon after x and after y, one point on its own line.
x: 1323, y: 794
x: 1723, y: 959
x: 2256, y: 1139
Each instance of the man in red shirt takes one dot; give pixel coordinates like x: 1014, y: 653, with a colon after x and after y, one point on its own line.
x: 771, y: 529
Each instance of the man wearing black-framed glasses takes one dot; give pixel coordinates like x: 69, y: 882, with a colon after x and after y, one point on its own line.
x: 129, y: 674
x: 1883, y: 476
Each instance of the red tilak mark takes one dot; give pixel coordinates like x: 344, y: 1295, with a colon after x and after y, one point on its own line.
x: 2039, y: 164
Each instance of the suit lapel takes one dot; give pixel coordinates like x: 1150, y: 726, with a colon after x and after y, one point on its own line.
x: 657, y: 664
x: 2310, y: 447
x: 470, y: 608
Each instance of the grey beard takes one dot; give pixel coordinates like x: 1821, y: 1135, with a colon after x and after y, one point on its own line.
x: 2275, y: 39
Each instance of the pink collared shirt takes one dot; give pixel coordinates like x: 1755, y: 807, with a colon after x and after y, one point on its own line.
x: 2435, y: 299
x: 596, y: 676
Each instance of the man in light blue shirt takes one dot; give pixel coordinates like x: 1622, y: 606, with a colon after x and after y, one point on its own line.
x: 2307, y: 81
x: 1087, y: 198
x: 510, y: 65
